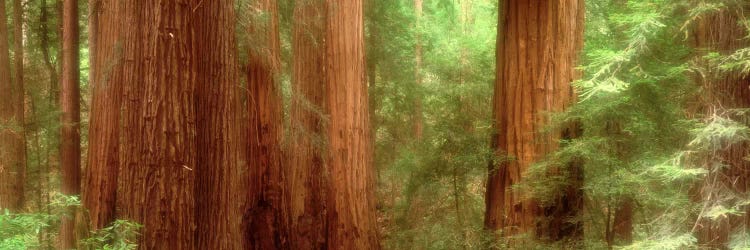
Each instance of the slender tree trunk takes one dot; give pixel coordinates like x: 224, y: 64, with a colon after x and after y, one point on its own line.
x: 538, y: 41
x: 44, y: 42
x: 217, y: 111
x: 418, y: 117
x: 20, y: 85
x: 351, y: 200
x: 105, y: 119
x: 20, y: 95
x: 723, y: 32
x: 265, y: 220
x: 70, y: 150
x: 12, y: 144
x: 308, y: 172
x: 159, y: 150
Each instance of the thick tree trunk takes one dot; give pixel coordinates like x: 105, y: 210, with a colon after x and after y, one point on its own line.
x: 351, y: 196
x: 70, y: 150
x: 266, y: 218
x: 723, y: 32
x: 104, y: 126
x: 537, y: 49
x: 308, y: 178
x: 12, y: 144
x: 159, y: 150
x: 218, y: 132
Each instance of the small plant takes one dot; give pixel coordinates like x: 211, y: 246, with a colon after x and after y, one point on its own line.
x: 120, y: 235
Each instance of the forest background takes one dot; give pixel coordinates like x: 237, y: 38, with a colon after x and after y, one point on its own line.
x: 367, y: 124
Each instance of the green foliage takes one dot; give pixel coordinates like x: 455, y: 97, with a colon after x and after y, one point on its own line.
x: 121, y: 235
x: 34, y: 230
x: 39, y: 230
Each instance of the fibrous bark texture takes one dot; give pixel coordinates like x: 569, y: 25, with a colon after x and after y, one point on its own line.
x: 537, y: 46
x: 308, y: 175
x: 351, y: 199
x: 724, y: 33
x: 12, y: 142
x: 70, y: 150
x: 266, y: 217
x: 105, y: 118
x: 217, y: 105
x: 158, y: 147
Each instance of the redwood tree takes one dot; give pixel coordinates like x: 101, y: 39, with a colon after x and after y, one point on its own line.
x: 351, y: 199
x: 266, y: 218
x: 104, y: 123
x: 70, y: 150
x: 216, y: 110
x: 12, y: 142
x: 308, y: 180
x: 537, y: 47
x: 158, y: 143
x: 724, y: 33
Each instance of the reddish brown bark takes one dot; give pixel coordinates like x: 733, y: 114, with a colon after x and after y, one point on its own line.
x: 70, y: 150
x: 724, y: 33
x: 536, y: 57
x: 351, y: 197
x: 218, y: 132
x: 158, y: 144
x: 308, y: 179
x: 12, y: 142
x: 105, y: 119
x: 266, y: 218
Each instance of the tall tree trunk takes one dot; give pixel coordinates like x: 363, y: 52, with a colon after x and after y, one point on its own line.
x: 12, y: 144
x: 104, y: 126
x: 70, y: 150
x: 308, y: 179
x: 723, y: 32
x: 351, y: 200
x: 418, y: 117
x: 537, y: 47
x: 217, y: 111
x: 266, y: 219
x: 20, y: 95
x: 159, y: 150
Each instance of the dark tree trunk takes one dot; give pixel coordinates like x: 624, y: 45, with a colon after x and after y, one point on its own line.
x: 307, y: 165
x: 266, y: 218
